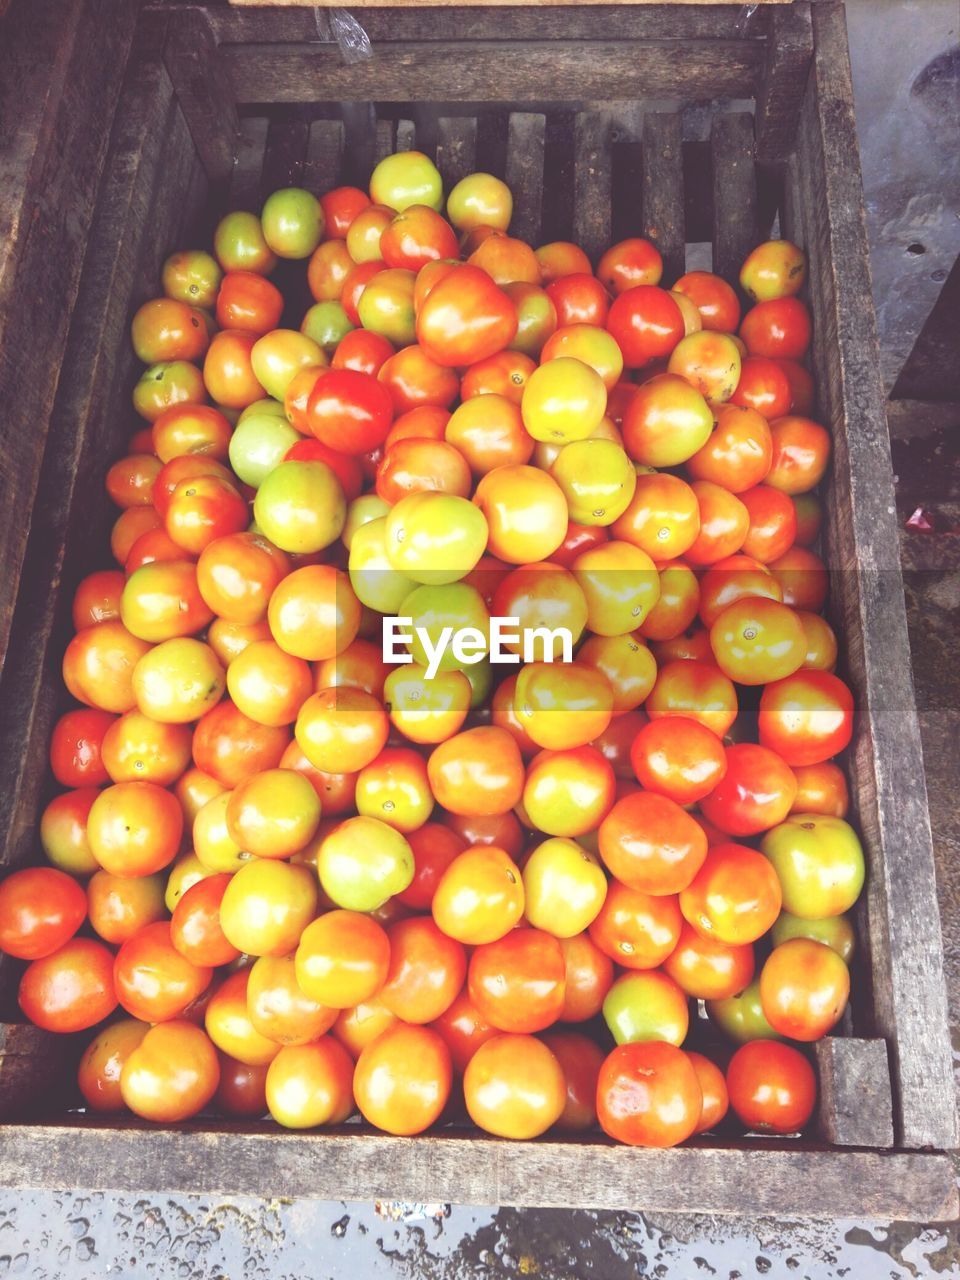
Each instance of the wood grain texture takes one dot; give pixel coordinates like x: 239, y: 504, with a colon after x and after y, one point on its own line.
x: 244, y: 189
x: 529, y: 71
x: 662, y: 193
x: 203, y: 91
x: 854, y: 1103
x: 284, y: 156
x: 526, y: 135
x: 31, y: 1067
x: 456, y: 148
x: 321, y: 170
x: 735, y: 223
x: 403, y: 4
x: 592, y: 181
x: 786, y: 66
x: 57, y: 105
x: 905, y: 951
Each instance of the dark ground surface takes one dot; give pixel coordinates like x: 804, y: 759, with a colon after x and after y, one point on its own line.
x: 912, y: 180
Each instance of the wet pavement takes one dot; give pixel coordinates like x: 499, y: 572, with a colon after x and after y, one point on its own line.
x: 79, y: 1236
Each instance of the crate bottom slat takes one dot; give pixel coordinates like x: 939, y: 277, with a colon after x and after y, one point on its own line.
x: 355, y: 1164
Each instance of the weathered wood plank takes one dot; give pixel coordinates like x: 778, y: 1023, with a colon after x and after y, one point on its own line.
x: 386, y: 139
x: 284, y: 156
x: 31, y: 1066
x: 353, y: 1164
x: 456, y: 148
x: 854, y: 1103
x: 406, y: 135
x: 321, y: 169
x: 57, y: 104
x: 206, y: 99
x: 244, y: 191
x: 516, y: 22
x: 526, y: 137
x: 786, y: 65
x: 592, y: 181
x: 904, y: 952
x: 735, y: 223
x: 662, y: 197
x: 359, y: 141
x: 491, y: 71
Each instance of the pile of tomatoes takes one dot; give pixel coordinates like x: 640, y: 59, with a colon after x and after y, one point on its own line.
x: 289, y: 877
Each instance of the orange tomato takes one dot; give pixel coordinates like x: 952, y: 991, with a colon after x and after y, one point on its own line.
x: 706, y: 968
x: 638, y: 930
x: 735, y: 897
x: 514, y: 1087
x: 402, y: 1079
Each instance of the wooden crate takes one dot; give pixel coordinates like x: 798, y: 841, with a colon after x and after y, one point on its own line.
x: 697, y: 124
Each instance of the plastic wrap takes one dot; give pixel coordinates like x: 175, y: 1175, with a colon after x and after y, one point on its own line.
x: 340, y: 27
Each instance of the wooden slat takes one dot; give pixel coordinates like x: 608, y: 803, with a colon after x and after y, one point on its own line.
x: 244, y: 192
x: 592, y: 181
x: 523, y: 22
x: 321, y: 169
x: 662, y: 199
x: 57, y: 104
x: 854, y: 1102
x: 386, y: 137
x: 786, y: 65
x: 284, y: 157
x: 390, y: 4
x: 359, y: 141
x: 528, y: 71
x: 456, y: 148
x: 526, y: 133
x: 406, y: 135
x: 205, y: 96
x: 32, y: 1066
x: 773, y: 1178
x: 735, y: 223
x: 905, y: 949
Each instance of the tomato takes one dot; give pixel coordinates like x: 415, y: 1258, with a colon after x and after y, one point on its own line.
x: 340, y: 207
x: 293, y: 222
x: 504, y: 374
x: 636, y: 929
x: 178, y: 681
x: 646, y: 323
x: 97, y: 599
x: 130, y: 480
x: 365, y: 232
x: 342, y: 959
x: 737, y: 455
x: 394, y: 788
x: 273, y: 814
x: 164, y: 330
x: 517, y: 982
x: 588, y: 974
x: 356, y: 1028
x: 580, y: 1060
x: 708, y: 969
x: 755, y: 794
x: 193, y: 428
x: 278, y: 1006
x: 313, y: 613
x: 167, y: 383
x: 479, y: 897
x: 616, y: 740
x: 363, y: 862
x: 509, y: 261
x: 480, y: 200
x: 191, y: 276
x: 801, y: 452
x: 694, y: 690
x: 807, y: 717
x: 579, y: 298
x: 756, y: 641
x: 267, y: 905
x: 134, y: 828
x: 310, y: 1084
x: 819, y: 861
x: 249, y: 303
x: 488, y: 432
x: 427, y: 711
x: 341, y: 730
x: 154, y: 981
x: 650, y: 844
x: 477, y: 773
x: 434, y: 537
x: 241, y: 1093
x: 772, y: 1087
x: 803, y: 397
x: 413, y: 466
x: 763, y: 387
x: 406, y: 178
x: 662, y: 518
x: 427, y: 970
x: 195, y: 927
x: 803, y: 578
x: 835, y: 932
x: 569, y: 792
x: 171, y: 1074
x: 40, y: 910
x: 692, y: 645
x: 76, y: 748
x: 804, y: 987
x: 514, y: 1087
x: 463, y: 1030
x: 710, y: 362
x: 666, y: 422
x: 536, y: 314
x: 775, y: 269
x: 98, y: 666
x: 621, y: 586
x: 646, y: 1006
x: 735, y: 897
x: 402, y: 1079
x: 526, y: 513
x: 679, y: 758
x: 741, y: 1017
x: 119, y: 907
x: 237, y: 574
x: 161, y: 601
x: 239, y: 244
x: 329, y: 265
x: 349, y: 411
x: 434, y: 848
x: 564, y: 888
x: 821, y: 789
x: 98, y: 1074
x: 70, y: 988
x: 230, y: 747
x: 465, y: 318
x: 735, y: 578
x: 563, y: 706
x: 228, y: 1024
x: 779, y: 328
x: 63, y: 831
x: 561, y: 258
x: 649, y: 1095
x: 628, y: 264
x: 714, y: 299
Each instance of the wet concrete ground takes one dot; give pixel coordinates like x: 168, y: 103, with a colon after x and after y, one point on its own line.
x: 912, y: 180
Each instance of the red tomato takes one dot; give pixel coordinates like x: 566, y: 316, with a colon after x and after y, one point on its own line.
x: 755, y: 794
x: 363, y: 352
x: 154, y: 981
x: 807, y: 717
x: 40, y: 910
x: 772, y: 1087
x: 426, y: 971
x: 648, y: 842
x: 648, y: 1095
x: 340, y: 206
x: 638, y: 930
x: 71, y: 988
x: 579, y: 298
x: 646, y: 323
x: 465, y: 318
x: 763, y: 386
x: 734, y: 897
x: 715, y: 300
x: 348, y: 411
x: 517, y: 982
x: 779, y: 328
x: 628, y: 264
x: 580, y: 1060
x: 76, y: 748
x: 417, y: 236
x: 679, y: 758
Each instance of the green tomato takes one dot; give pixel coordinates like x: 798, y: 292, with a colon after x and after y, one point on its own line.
x: 168, y: 383
x: 239, y: 244
x: 374, y: 580
x: 363, y: 862
x: 480, y: 200
x: 597, y: 479
x: 258, y: 445
x: 369, y: 506
x: 564, y: 887
x: 278, y: 357
x: 406, y: 178
x: 646, y: 1005
x: 741, y: 1017
x: 261, y: 408
x: 386, y: 306
x: 435, y: 537
x: 480, y: 677
x: 300, y: 507
x: 327, y: 324
x: 819, y: 862
x: 192, y: 276
x: 455, y: 605
x: 293, y: 222
x: 835, y: 932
